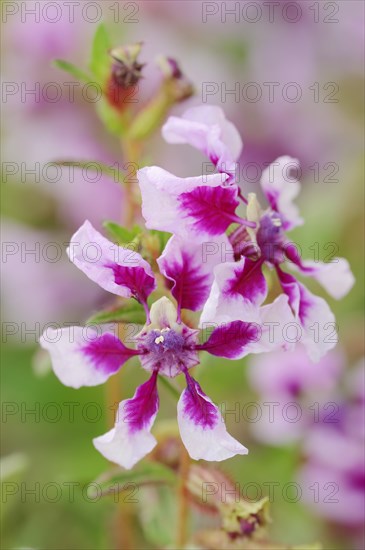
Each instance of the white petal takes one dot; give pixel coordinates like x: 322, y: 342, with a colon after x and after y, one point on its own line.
x: 202, y: 429
x: 336, y: 276
x: 84, y: 356
x: 130, y: 439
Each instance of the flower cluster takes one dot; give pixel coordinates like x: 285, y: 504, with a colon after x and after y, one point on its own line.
x: 212, y: 263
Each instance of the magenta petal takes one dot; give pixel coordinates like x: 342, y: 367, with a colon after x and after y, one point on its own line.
x: 188, y: 267
x: 200, y: 411
x: 238, y: 290
x: 248, y: 281
x: 232, y: 340
x: 202, y: 428
x: 119, y: 270
x: 318, y: 330
x: 139, y: 410
x: 107, y: 353
x: 136, y: 279
x: 130, y: 439
x: 84, y: 356
x: 161, y: 205
x: 211, y: 209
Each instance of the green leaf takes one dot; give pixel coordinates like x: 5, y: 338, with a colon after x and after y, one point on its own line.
x: 94, y: 165
x: 121, y: 234
x: 100, y: 59
x: 79, y: 74
x: 129, y: 313
x: 147, y: 473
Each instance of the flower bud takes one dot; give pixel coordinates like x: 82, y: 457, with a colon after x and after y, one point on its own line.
x: 178, y: 87
x: 125, y: 74
x: 245, y: 518
x: 174, y: 88
x: 210, y: 487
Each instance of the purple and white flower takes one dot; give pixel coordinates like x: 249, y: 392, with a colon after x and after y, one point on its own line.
x: 165, y: 345
x: 205, y: 207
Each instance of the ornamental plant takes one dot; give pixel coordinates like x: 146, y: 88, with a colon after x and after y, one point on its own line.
x: 191, y: 270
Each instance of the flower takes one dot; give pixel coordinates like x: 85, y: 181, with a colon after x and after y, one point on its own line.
x: 294, y: 393
x: 336, y: 469
x: 204, y: 207
x: 165, y: 345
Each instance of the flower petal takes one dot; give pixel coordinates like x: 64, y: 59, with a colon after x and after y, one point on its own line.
x: 275, y: 318
x: 281, y: 188
x: 164, y: 203
x: 130, y: 439
x: 188, y: 268
x: 336, y: 276
x: 314, y: 316
x: 237, y: 339
x: 116, y: 269
x: 202, y: 429
x: 231, y: 340
x: 207, y: 129
x: 83, y: 356
x: 209, y: 210
x: 239, y: 288
x: 163, y: 315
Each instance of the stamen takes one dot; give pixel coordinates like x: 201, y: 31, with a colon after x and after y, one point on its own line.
x: 159, y: 339
x: 276, y: 222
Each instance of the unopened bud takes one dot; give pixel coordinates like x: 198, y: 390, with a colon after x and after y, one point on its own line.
x: 169, y: 67
x: 125, y: 74
x: 174, y: 89
x: 245, y: 518
x: 210, y: 487
x: 178, y: 87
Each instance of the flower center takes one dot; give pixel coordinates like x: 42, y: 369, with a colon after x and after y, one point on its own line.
x: 168, y: 351
x: 270, y: 238
x: 164, y: 340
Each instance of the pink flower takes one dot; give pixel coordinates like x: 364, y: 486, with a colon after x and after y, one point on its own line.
x: 200, y: 206
x: 165, y: 346
x: 205, y: 206
x: 294, y: 393
x: 335, y: 459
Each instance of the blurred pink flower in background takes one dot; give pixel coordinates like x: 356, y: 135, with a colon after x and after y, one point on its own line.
x: 35, y: 290
x: 296, y: 392
x: 335, y: 458
x: 321, y: 407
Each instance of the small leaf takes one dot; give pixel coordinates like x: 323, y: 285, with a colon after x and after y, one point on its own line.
x: 147, y: 473
x: 129, y: 313
x: 100, y: 59
x: 79, y: 74
x: 121, y: 234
